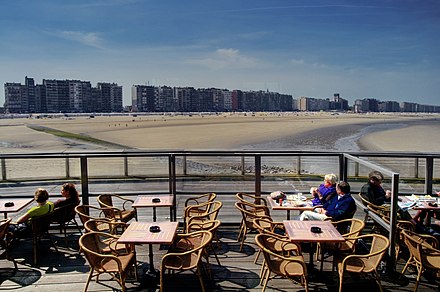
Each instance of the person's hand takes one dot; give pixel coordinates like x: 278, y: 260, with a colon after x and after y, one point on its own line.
x: 387, y: 194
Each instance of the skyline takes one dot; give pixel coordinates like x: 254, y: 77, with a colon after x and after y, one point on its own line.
x: 385, y: 50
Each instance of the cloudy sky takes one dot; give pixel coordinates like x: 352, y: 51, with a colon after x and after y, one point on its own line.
x: 388, y: 50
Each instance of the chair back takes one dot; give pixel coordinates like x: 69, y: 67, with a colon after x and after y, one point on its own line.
x: 105, y: 225
x: 105, y: 201
x: 256, y: 200
x: 250, y: 212
x: 40, y: 224
x: 413, y: 242
x: 4, y: 224
x: 208, y: 197
x: 85, y: 212
x: 210, y: 225
x: 379, y: 246
x: 64, y: 213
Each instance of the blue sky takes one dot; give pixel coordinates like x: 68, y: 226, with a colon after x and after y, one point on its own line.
x: 381, y: 49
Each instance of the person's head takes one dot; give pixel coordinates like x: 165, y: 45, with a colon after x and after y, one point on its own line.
x: 68, y: 190
x: 41, y: 196
x: 375, y: 177
x: 330, y: 179
x: 343, y: 188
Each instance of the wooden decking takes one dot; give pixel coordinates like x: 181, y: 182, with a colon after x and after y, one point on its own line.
x: 67, y: 270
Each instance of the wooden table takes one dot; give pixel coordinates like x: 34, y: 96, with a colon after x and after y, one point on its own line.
x: 144, y: 201
x: 19, y: 204
x: 423, y: 205
x: 289, y: 206
x: 300, y: 231
x: 139, y: 233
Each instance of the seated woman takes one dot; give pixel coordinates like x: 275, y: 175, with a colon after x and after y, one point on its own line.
x: 337, y: 208
x: 70, y: 196
x: 22, y: 227
x: 325, y: 191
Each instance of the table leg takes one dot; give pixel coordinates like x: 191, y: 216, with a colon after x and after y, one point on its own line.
x: 150, y: 254
x: 172, y: 215
x: 288, y: 214
x: 154, y: 214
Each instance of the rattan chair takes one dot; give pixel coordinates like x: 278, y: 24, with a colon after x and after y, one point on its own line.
x: 365, y: 263
x: 350, y: 229
x: 87, y: 212
x: 197, y: 200
x: 213, y: 209
x: 65, y: 216
x: 249, y: 212
x: 265, y: 225
x: 282, y: 260
x: 424, y: 253
x: 248, y: 198
x: 121, y: 207
x: 106, y: 226
x: 4, y: 238
x: 188, y: 260
x: 116, y: 262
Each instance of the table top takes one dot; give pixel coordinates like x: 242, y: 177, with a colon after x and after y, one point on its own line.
x: 147, y: 201
x: 419, y: 202
x: 290, y: 205
x: 18, y: 204
x: 139, y: 232
x: 300, y: 231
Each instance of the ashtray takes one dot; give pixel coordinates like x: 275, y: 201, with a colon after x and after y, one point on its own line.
x: 9, y: 204
x: 433, y: 204
x: 154, y: 229
x: 316, y: 229
x: 155, y: 200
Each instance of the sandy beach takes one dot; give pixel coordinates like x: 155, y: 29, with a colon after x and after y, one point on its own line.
x: 228, y: 131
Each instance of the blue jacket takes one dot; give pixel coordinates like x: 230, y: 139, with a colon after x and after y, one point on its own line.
x: 343, y: 208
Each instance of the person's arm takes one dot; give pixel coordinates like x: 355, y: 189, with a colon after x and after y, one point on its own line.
x: 23, y: 218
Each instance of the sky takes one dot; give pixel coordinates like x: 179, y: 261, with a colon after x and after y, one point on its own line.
x: 382, y: 49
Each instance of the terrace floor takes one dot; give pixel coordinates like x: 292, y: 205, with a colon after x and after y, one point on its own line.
x: 67, y: 270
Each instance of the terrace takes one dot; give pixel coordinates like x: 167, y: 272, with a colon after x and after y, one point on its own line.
x: 183, y: 174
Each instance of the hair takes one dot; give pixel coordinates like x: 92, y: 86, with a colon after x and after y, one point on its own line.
x: 376, y: 175
x: 331, y: 178
x: 344, y: 187
x: 70, y: 188
x: 41, y: 195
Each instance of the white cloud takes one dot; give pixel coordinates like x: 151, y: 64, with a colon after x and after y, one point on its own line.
x: 91, y: 39
x: 224, y: 58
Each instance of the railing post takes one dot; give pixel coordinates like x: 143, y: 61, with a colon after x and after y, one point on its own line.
x: 185, y: 169
x: 84, y: 180
x: 343, y: 167
x: 429, y: 172
x: 67, y: 162
x: 243, y: 171
x: 391, y: 265
x: 3, y: 163
x: 416, y: 168
x: 356, y: 169
x: 126, y: 166
x: 257, y: 175
x: 172, y: 183
x: 298, y: 165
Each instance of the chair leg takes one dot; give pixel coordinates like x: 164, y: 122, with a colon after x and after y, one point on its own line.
x: 341, y: 277
x: 377, y: 278
x: 88, y: 279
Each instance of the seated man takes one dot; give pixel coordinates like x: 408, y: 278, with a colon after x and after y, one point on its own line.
x: 338, y: 208
x: 373, y: 190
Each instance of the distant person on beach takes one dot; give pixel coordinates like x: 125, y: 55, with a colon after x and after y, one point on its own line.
x: 70, y: 196
x: 337, y: 208
x: 325, y: 191
x: 22, y: 226
x: 373, y: 190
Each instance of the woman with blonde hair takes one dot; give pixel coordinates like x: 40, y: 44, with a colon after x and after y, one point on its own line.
x: 325, y: 191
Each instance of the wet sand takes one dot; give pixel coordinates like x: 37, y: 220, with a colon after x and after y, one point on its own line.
x: 229, y: 131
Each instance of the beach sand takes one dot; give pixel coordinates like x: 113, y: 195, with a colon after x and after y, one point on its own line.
x: 229, y: 131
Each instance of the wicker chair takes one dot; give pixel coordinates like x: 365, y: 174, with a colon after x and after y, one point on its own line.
x: 198, y: 200
x: 281, y: 260
x: 65, y: 216
x: 87, y: 212
x: 213, y: 208
x: 249, y: 212
x: 365, y: 263
x: 424, y: 253
x: 4, y: 238
x: 265, y: 225
x: 248, y: 198
x: 188, y: 260
x: 114, y: 262
x: 106, y: 226
x: 349, y: 228
x: 121, y: 207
